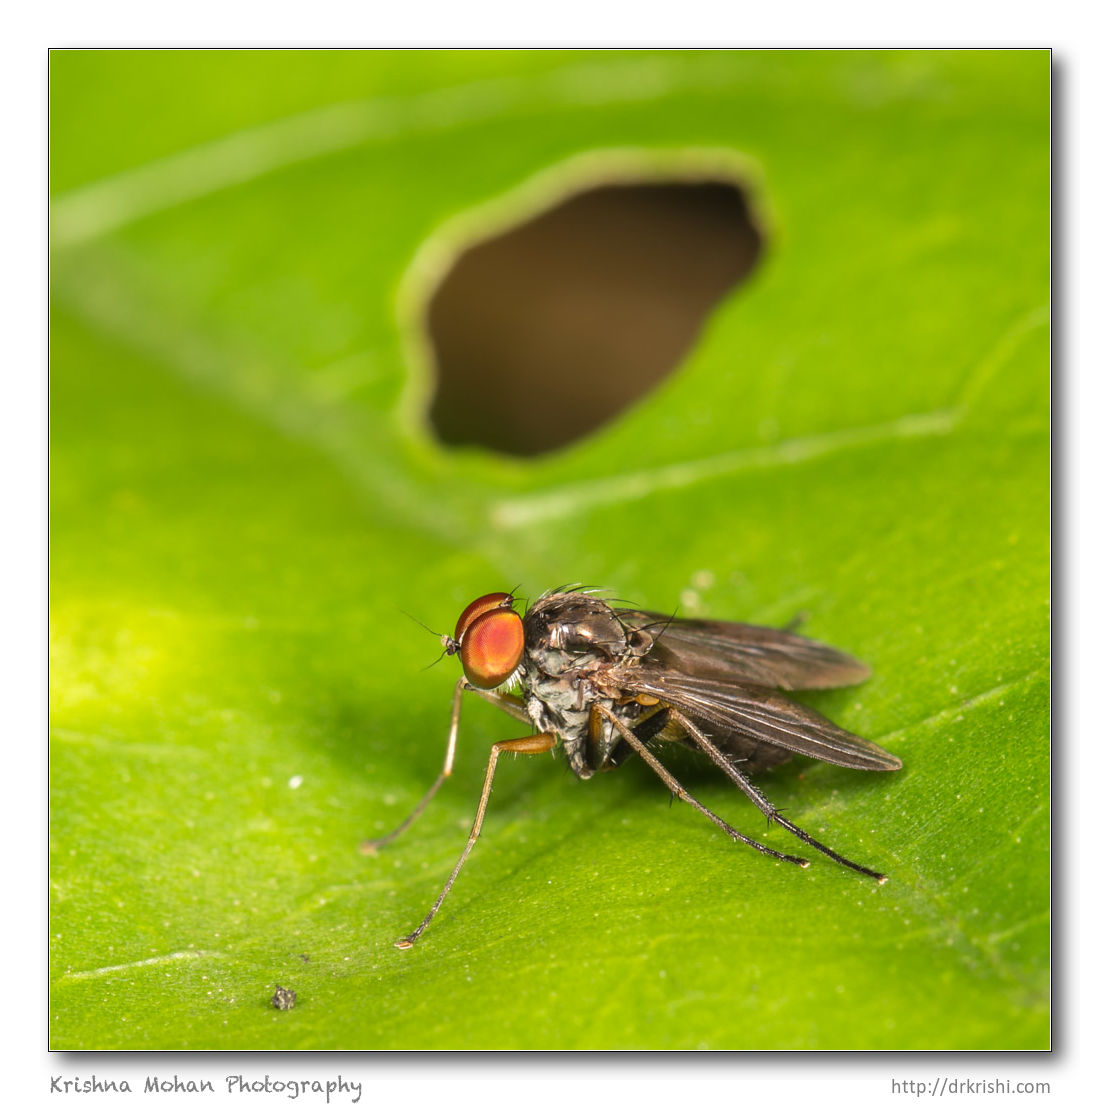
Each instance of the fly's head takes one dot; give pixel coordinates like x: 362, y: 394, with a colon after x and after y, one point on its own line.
x: 488, y: 641
x: 574, y: 633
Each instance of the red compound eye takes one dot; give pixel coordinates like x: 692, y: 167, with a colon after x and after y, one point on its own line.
x: 476, y: 608
x: 491, y: 646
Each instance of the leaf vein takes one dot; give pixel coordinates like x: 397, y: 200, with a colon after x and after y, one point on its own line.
x: 967, y: 702
x: 519, y: 512
x: 152, y: 961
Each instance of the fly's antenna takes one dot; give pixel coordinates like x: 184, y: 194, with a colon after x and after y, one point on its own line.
x: 417, y: 620
x: 443, y: 655
x: 438, y: 635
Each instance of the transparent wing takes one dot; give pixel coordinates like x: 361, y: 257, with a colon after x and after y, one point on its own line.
x: 742, y: 711
x: 745, y: 653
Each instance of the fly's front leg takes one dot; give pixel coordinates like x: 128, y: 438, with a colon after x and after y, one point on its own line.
x: 508, y: 702
x: 527, y: 745
x: 673, y: 784
x: 757, y: 797
x: 369, y: 847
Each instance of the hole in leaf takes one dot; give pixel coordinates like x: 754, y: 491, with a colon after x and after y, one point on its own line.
x: 548, y: 330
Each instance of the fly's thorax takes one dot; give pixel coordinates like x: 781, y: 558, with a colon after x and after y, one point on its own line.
x: 562, y: 704
x: 559, y: 704
x: 576, y: 634
x: 572, y: 643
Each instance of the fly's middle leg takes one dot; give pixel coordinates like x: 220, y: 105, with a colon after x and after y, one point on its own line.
x: 666, y: 776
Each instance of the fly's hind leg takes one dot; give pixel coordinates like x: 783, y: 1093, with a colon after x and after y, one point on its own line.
x: 674, y: 785
x: 757, y: 797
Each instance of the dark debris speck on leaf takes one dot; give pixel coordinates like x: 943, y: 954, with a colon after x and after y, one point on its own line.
x: 283, y: 998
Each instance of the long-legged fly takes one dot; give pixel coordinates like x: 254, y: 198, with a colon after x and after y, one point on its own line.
x: 604, y: 682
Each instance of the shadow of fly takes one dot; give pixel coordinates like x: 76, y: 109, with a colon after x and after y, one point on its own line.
x: 603, y: 683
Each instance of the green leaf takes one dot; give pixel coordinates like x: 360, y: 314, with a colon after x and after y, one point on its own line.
x: 245, y: 496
